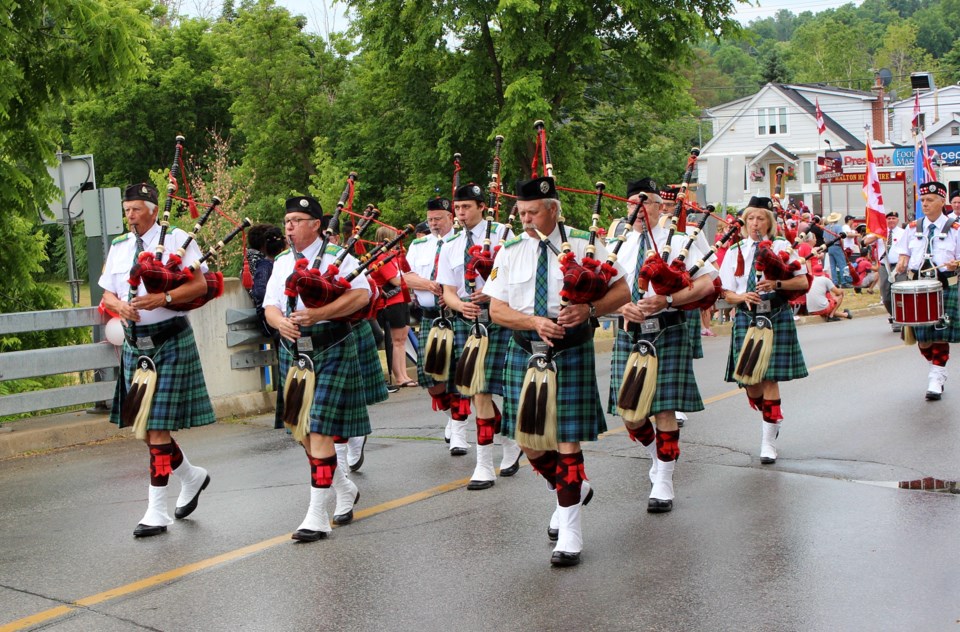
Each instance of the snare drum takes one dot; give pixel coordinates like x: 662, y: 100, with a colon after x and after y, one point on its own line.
x: 917, y: 302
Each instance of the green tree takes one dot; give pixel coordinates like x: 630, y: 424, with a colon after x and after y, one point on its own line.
x: 50, y: 52
x: 901, y: 54
x: 831, y: 49
x: 131, y: 129
x: 772, y: 62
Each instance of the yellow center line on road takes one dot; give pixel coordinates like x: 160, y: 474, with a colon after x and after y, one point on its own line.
x: 211, y: 562
x: 171, y: 575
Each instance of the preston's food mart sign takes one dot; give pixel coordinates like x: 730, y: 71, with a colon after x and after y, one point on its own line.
x: 895, y: 157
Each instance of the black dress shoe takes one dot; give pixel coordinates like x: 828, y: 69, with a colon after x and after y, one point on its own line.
x: 306, y: 535
x: 655, y: 505
x: 562, y: 558
x: 480, y: 485
x: 146, y: 531
x: 458, y: 451
x: 356, y: 466
x: 767, y: 460
x: 553, y: 534
x: 513, y: 469
x: 346, y: 518
x: 182, y: 512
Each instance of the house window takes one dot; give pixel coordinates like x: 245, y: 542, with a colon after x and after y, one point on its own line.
x: 922, y: 121
x: 955, y: 131
x: 771, y: 121
x: 808, y: 172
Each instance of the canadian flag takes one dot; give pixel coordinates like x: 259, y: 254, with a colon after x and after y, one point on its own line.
x: 821, y: 126
x: 876, y: 216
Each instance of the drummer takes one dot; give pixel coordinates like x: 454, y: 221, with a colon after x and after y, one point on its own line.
x: 930, y: 249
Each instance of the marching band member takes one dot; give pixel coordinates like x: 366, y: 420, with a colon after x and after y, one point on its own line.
x: 887, y: 254
x: 338, y: 408
x: 181, y: 399
x: 660, y: 322
x: 754, y: 296
x: 469, y: 206
x: 930, y: 246
x: 423, y: 256
x: 524, y: 290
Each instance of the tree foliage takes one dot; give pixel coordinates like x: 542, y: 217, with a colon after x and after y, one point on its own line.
x: 50, y: 52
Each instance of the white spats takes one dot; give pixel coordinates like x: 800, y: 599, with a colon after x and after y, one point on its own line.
x: 317, y: 518
x: 346, y: 492
x: 511, y: 452
x: 937, y: 378
x: 157, y: 514
x: 768, y: 443
x: 458, y: 437
x: 663, y: 483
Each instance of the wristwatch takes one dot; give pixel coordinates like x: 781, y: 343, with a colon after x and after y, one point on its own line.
x: 593, y: 310
x: 779, y: 285
x: 669, y: 298
x: 167, y: 297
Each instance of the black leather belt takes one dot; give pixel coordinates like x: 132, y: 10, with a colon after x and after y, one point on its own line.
x: 653, y: 323
x: 145, y: 343
x: 943, y: 277
x: 574, y: 338
x: 333, y: 332
x: 430, y: 312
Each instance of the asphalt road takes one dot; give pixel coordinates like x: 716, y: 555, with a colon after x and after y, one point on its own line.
x: 822, y: 540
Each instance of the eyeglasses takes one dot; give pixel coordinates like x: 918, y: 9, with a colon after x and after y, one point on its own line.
x: 295, y: 221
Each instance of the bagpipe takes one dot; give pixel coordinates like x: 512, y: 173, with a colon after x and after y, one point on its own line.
x: 160, y: 277
x: 469, y: 376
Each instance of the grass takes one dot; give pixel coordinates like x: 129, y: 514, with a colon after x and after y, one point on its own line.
x: 65, y: 293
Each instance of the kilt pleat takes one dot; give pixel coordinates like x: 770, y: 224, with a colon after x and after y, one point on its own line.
x: 496, y: 352
x: 339, y: 406
x: 951, y: 308
x: 693, y: 332
x: 786, y: 361
x: 371, y: 371
x: 676, y: 383
x: 181, y: 399
x: 579, y: 412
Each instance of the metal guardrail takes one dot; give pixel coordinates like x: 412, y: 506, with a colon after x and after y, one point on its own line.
x: 55, y: 361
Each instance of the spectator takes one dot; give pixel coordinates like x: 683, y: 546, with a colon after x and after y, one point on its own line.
x: 394, y: 317
x: 266, y: 242
x: 824, y: 297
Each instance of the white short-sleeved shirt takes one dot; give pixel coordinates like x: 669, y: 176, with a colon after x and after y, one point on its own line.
x: 513, y: 278
x: 283, y: 268
x: 946, y: 241
x: 628, y: 253
x: 421, y: 256
x: 116, y: 271
x: 728, y: 268
x: 452, y: 261
x: 817, y: 296
x: 895, y: 235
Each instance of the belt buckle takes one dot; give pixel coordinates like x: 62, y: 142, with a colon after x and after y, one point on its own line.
x: 538, y: 347
x: 305, y: 343
x: 764, y: 307
x: 484, y: 314
x: 952, y: 280
x: 145, y: 343
x: 650, y: 326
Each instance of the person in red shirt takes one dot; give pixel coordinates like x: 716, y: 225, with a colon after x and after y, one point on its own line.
x: 395, y: 313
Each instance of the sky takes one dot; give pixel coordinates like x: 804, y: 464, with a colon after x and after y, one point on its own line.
x: 326, y: 15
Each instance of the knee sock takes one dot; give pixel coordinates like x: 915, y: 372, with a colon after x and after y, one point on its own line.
x: 459, y: 408
x: 937, y: 354
x: 546, y: 465
x: 441, y: 401
x: 164, y: 459
x: 644, y: 434
x: 570, y: 476
x: 321, y: 471
x: 668, y: 445
x: 771, y: 411
x: 485, y: 431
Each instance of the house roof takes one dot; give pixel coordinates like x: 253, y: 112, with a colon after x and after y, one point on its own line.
x: 940, y: 91
x: 778, y: 151
x: 791, y: 92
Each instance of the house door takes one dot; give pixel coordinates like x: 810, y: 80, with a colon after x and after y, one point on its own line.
x: 772, y: 171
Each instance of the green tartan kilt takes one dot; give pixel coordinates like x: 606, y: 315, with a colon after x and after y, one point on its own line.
x: 950, y: 333
x: 676, y: 383
x: 693, y: 332
x: 371, y: 371
x: 422, y: 378
x: 579, y: 412
x: 496, y: 352
x: 181, y: 399
x: 786, y: 362
x: 339, y: 407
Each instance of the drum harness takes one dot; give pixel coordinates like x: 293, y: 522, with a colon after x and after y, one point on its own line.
x: 928, y: 269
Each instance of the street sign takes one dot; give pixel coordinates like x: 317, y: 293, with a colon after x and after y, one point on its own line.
x: 827, y: 175
x: 77, y: 172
